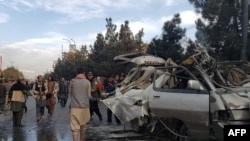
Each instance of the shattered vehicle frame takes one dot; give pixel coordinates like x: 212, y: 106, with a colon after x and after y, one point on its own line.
x: 191, y: 100
x: 137, y: 80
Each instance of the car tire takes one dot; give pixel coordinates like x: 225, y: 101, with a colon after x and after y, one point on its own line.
x: 184, y: 132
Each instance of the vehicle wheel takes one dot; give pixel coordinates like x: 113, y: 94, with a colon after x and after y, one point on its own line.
x: 184, y: 132
x: 160, y: 130
x: 136, y: 126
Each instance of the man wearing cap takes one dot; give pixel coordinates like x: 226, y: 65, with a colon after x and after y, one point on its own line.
x: 94, y: 92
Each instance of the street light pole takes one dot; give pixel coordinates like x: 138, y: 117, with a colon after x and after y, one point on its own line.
x: 67, y: 40
x: 72, y: 47
x: 73, y: 41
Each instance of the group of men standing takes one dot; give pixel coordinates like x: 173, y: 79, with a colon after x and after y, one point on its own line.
x: 94, y: 86
x: 98, y: 86
x: 84, y: 91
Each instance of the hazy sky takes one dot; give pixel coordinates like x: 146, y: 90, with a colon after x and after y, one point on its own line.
x: 32, y: 31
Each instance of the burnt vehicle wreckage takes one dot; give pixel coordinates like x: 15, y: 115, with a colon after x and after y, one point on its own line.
x: 186, y: 101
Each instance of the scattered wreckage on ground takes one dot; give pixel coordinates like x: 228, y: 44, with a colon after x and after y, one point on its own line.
x: 191, y: 100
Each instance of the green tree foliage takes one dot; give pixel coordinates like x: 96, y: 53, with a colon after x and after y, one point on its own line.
x: 169, y: 44
x: 138, y: 36
x: 111, y: 34
x: 114, y: 43
x: 220, y: 27
x: 70, y: 61
x: 128, y: 42
x: 244, y: 22
x: 190, y: 49
x: 99, y: 59
x: 12, y: 73
x: 97, y: 52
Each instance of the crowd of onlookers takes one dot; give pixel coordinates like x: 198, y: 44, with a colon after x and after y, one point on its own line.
x: 47, y: 92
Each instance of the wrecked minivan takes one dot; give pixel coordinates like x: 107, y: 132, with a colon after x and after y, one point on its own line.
x: 137, y: 80
x: 191, y: 100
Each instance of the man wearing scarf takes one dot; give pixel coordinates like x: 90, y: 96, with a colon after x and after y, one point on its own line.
x: 51, y: 87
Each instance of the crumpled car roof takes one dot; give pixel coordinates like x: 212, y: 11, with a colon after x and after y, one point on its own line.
x: 139, y: 59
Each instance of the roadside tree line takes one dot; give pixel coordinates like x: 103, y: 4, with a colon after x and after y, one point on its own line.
x: 220, y: 27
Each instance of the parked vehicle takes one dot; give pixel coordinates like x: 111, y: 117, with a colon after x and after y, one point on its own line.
x: 189, y: 101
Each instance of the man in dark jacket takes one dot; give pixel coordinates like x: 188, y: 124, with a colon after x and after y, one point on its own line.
x: 94, y: 93
x: 17, y: 94
x: 110, y: 90
x: 63, y: 92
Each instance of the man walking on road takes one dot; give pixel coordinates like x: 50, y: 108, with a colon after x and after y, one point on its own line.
x: 80, y: 92
x: 16, y: 95
x: 63, y: 92
x: 39, y: 95
x: 51, y: 87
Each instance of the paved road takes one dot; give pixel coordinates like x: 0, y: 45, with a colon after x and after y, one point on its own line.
x: 56, y: 127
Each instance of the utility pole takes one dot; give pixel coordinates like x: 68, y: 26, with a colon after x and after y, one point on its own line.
x: 73, y: 41
x: 67, y: 40
x: 244, y: 9
x: 72, y: 47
